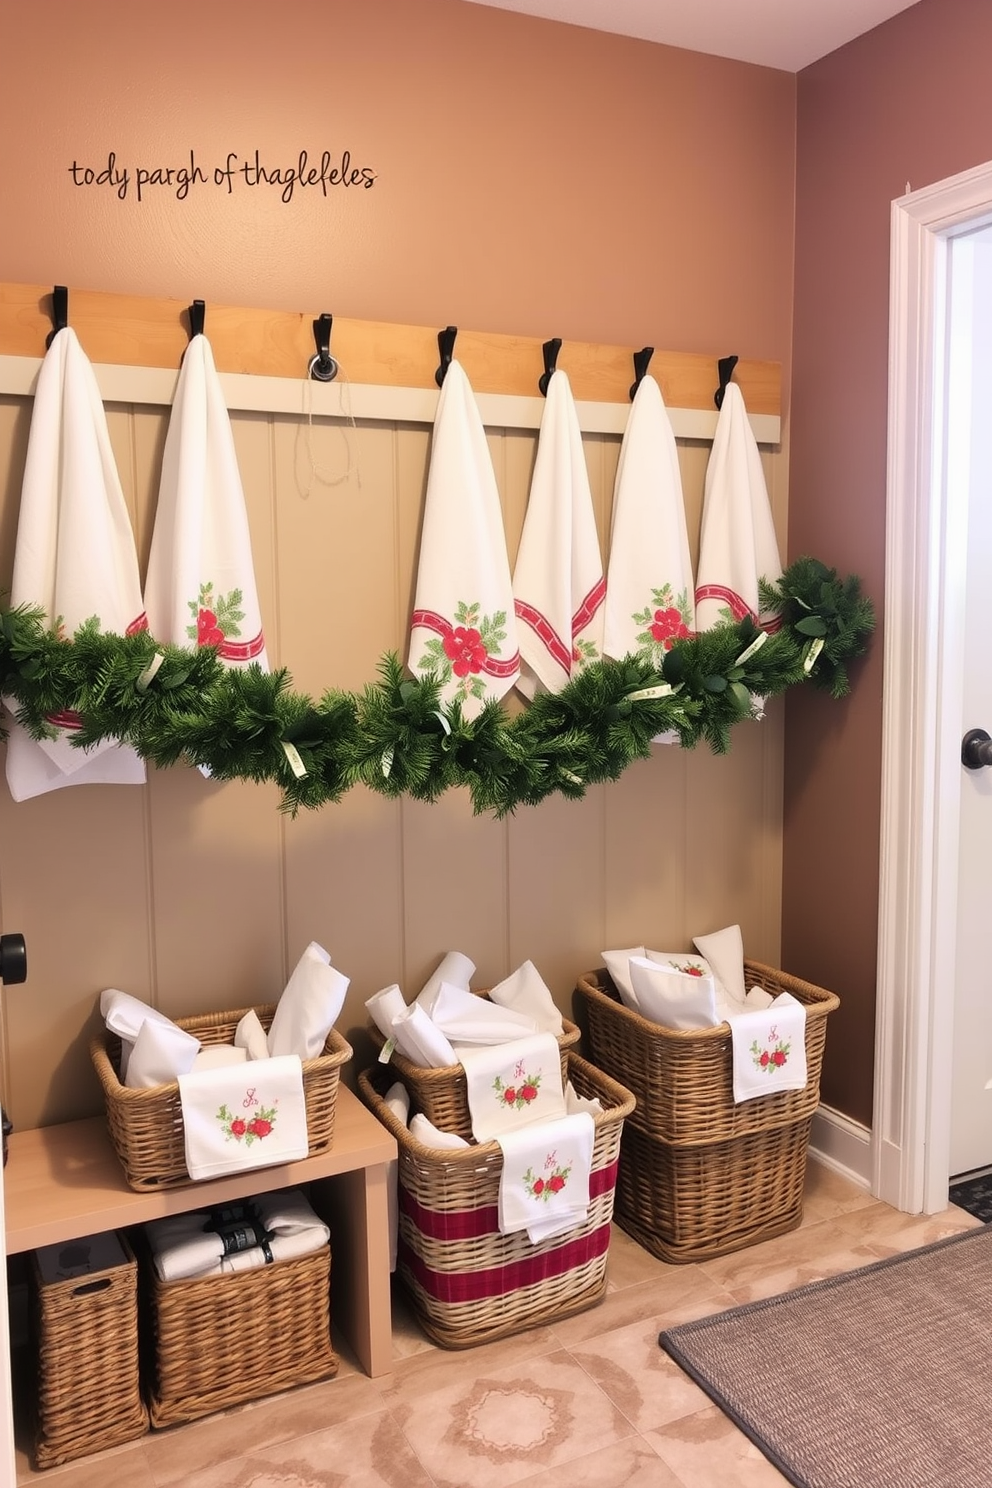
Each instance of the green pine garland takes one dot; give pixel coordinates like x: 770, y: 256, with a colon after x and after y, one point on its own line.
x: 173, y: 704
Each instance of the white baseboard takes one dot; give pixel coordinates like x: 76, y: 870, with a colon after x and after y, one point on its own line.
x: 842, y: 1145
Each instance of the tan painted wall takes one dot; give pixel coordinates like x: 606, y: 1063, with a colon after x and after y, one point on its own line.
x: 532, y: 178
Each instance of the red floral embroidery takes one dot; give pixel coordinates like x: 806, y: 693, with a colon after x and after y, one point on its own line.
x: 465, y: 650
x: 668, y: 626
x: 208, y: 632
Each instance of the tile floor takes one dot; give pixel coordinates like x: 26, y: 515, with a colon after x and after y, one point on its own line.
x: 592, y: 1400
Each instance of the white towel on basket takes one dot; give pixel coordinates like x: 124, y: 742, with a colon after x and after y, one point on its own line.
x: 526, y: 991
x: 513, y: 1085
x: 463, y: 627
x: 255, y: 1232
x: 465, y: 1018
x: 769, y: 1048
x: 454, y: 968
x: 737, y: 544
x: 74, y: 557
x: 200, y: 587
x: 309, y: 1005
x: 649, y: 586
x: 252, y: 1115
x: 544, y: 1182
x: 558, y: 583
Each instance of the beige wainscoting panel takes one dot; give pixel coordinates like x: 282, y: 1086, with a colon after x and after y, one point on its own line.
x: 199, y: 895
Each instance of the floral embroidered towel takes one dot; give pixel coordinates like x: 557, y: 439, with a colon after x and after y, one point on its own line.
x: 513, y: 1085
x: 253, y: 1115
x: 463, y: 628
x: 558, y: 584
x: 737, y: 543
x: 74, y: 558
x: 649, y: 587
x: 544, y: 1183
x: 769, y: 1048
x: 200, y: 587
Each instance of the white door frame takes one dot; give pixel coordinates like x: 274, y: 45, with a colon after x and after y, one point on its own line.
x: 922, y: 700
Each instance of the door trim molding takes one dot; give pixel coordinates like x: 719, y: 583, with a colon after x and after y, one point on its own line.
x: 924, y: 618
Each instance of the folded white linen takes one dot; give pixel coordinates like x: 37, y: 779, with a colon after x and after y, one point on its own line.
x: 124, y: 1014
x: 525, y: 991
x: 513, y: 1085
x: 544, y: 1182
x: 454, y: 968
x: 558, y: 583
x: 161, y: 1052
x: 219, y: 1056
x: 757, y: 998
x: 397, y: 1099
x: 75, y: 558
x: 617, y: 964
x: 649, y: 584
x: 250, y: 1036
x: 737, y: 542
x: 309, y: 1006
x: 418, y: 1040
x: 384, y: 1006
x: 769, y: 1048
x: 674, y: 998
x: 574, y: 1102
x: 430, y: 1135
x: 724, y: 950
x: 465, y: 1018
x: 200, y: 586
x: 463, y: 628
x: 250, y: 1116
x: 263, y: 1230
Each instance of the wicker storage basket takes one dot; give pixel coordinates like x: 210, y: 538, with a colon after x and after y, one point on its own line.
x: 86, y: 1336
x: 146, y: 1126
x: 442, y: 1094
x: 219, y: 1341
x: 468, y: 1283
x: 701, y: 1176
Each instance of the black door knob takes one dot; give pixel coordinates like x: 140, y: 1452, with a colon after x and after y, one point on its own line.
x: 976, y: 749
x: 13, y: 959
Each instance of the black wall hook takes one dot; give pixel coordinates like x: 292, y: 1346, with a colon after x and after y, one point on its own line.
x: 642, y: 360
x: 725, y: 367
x: 446, y: 346
x: 60, y: 313
x: 551, y: 349
x: 197, y: 315
x: 323, y: 366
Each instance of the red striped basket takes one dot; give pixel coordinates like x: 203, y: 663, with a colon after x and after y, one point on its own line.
x: 468, y: 1283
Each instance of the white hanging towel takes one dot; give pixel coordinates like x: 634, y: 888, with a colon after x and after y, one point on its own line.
x: 74, y: 557
x: 251, y: 1115
x: 558, y: 583
x: 737, y: 544
x: 649, y: 588
x: 513, y: 1085
x: 200, y: 587
x: 544, y: 1182
x: 769, y: 1048
x: 463, y: 627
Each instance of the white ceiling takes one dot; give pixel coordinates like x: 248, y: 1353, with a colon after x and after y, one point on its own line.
x: 788, y: 34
